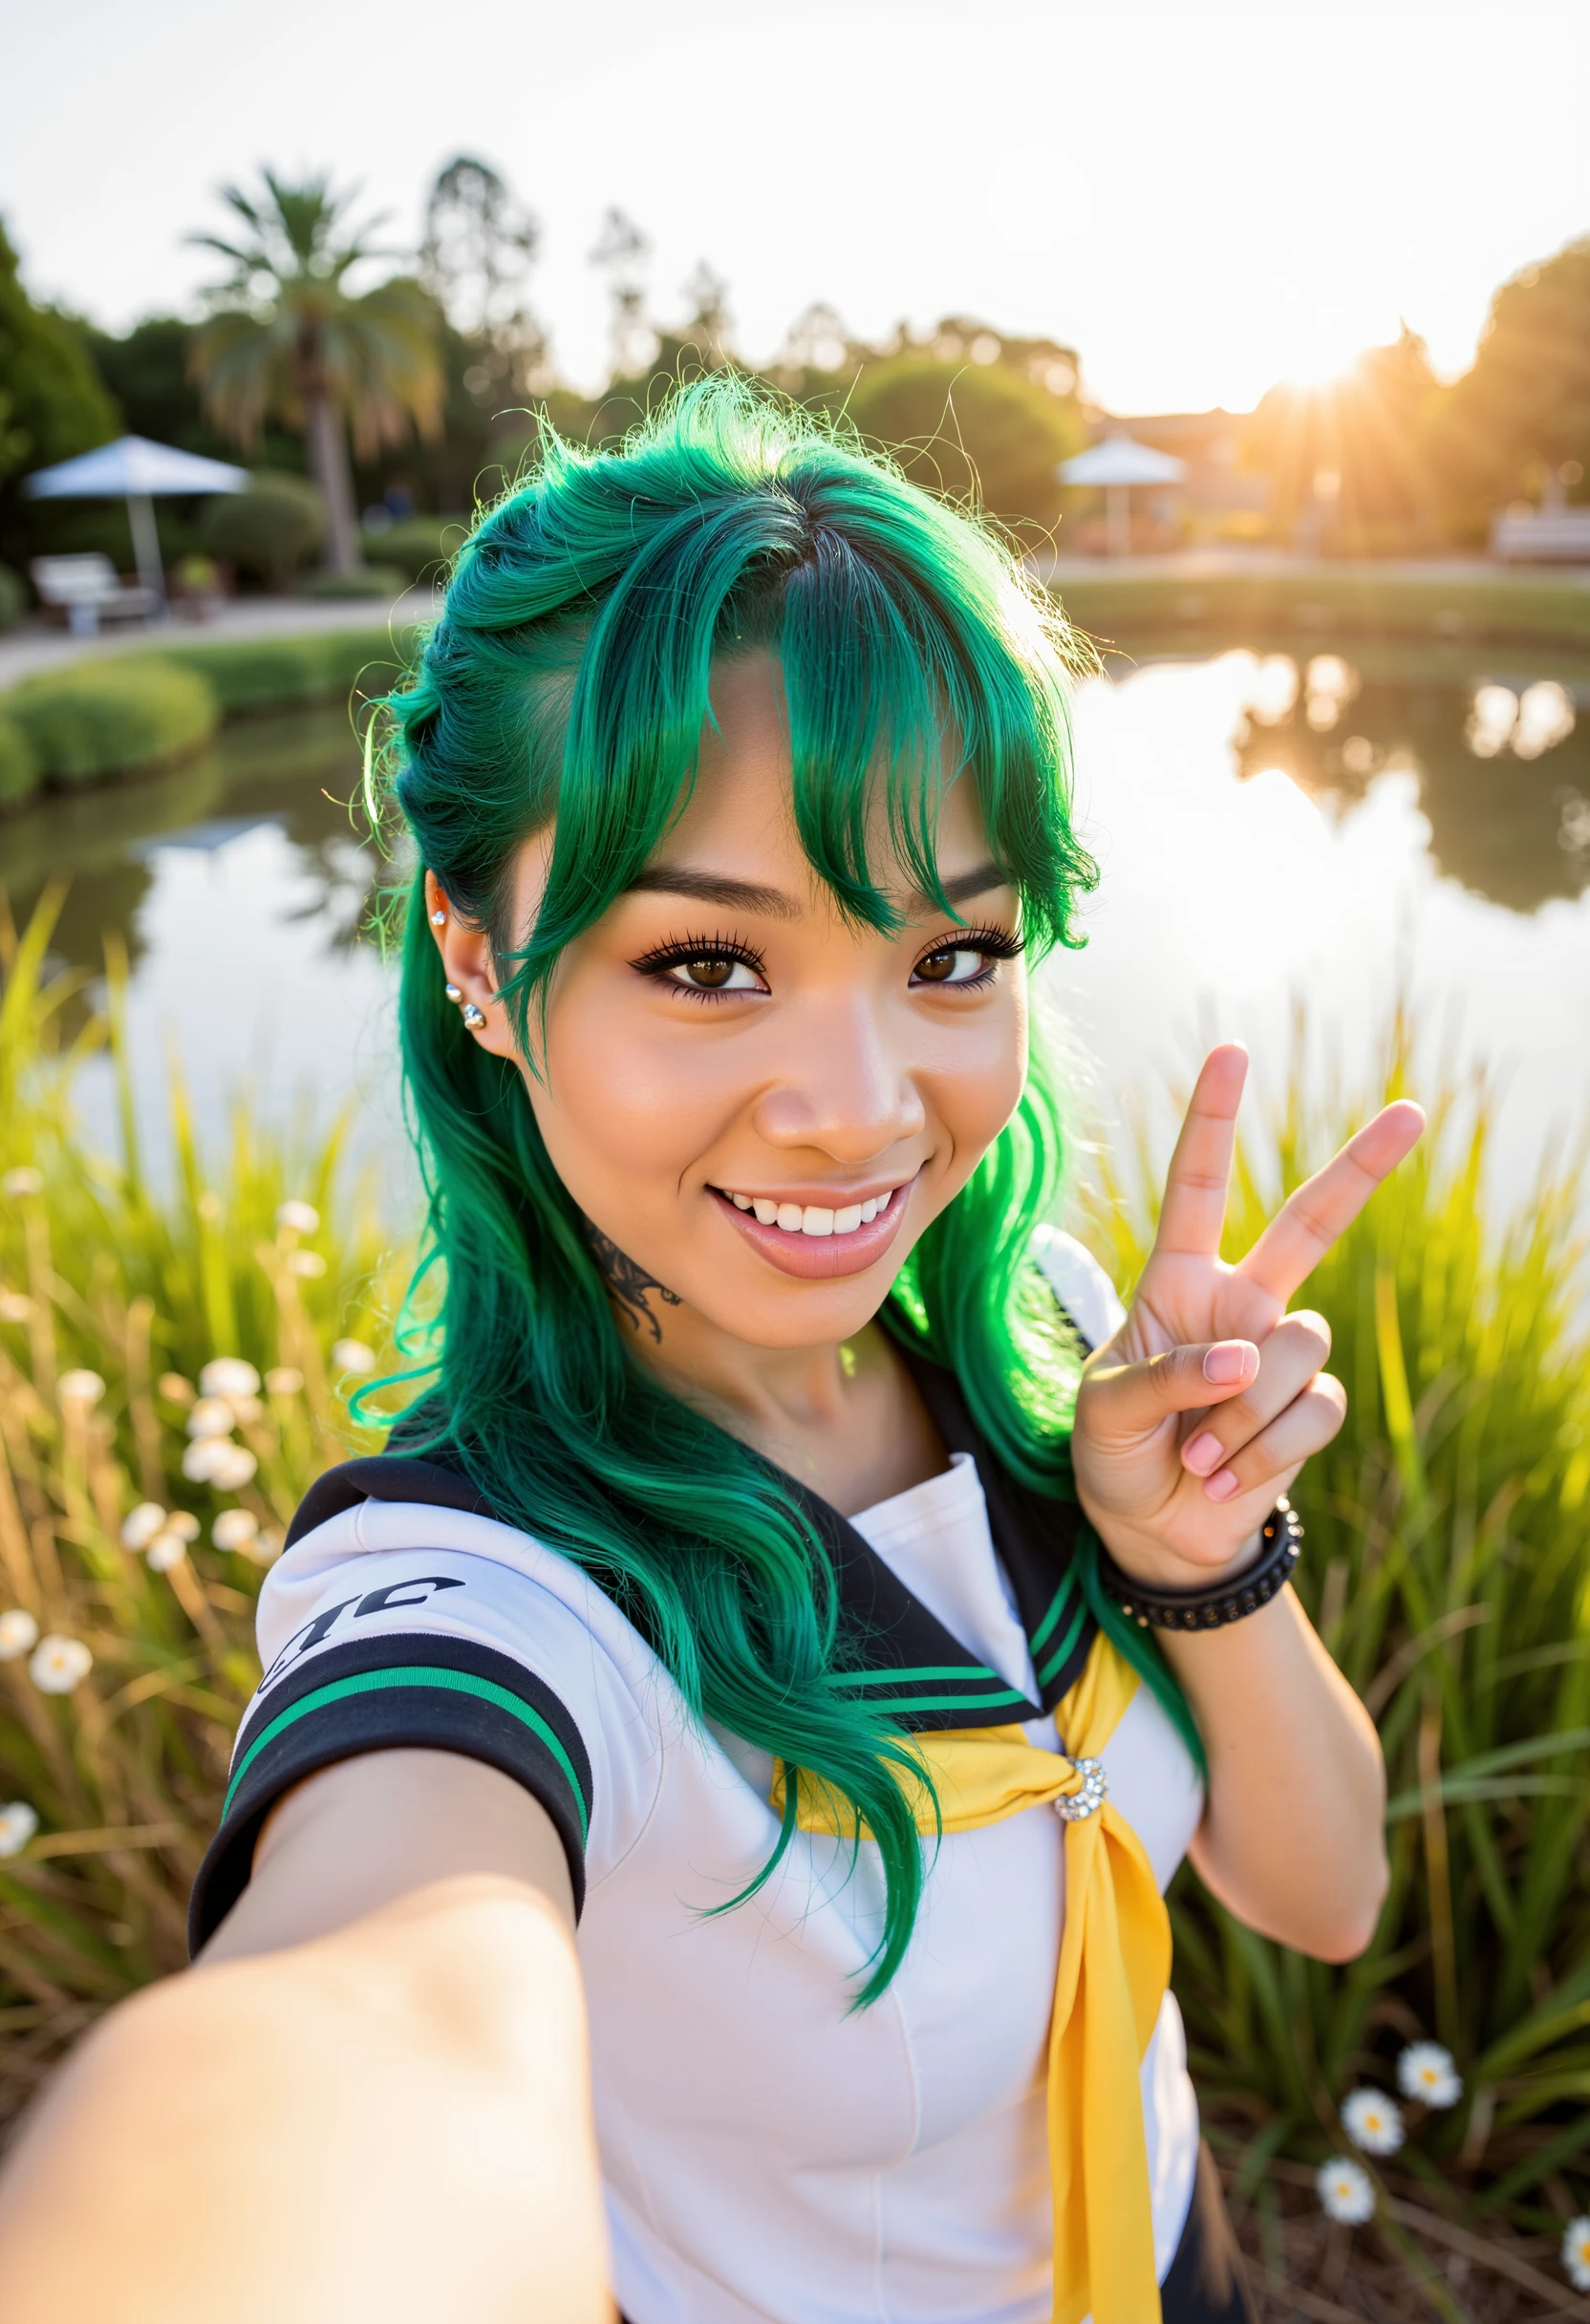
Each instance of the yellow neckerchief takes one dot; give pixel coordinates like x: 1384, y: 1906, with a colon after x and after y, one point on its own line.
x: 1114, y: 1967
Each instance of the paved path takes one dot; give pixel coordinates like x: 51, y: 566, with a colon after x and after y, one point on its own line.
x: 37, y: 647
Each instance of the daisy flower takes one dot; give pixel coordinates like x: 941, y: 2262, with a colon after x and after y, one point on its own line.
x: 18, y: 1822
x: 167, y: 1550
x: 230, y: 1378
x: 352, y: 1356
x: 141, y: 1525
x: 58, y: 1664
x: 210, y: 1416
x: 283, y: 1380
x: 1575, y: 2253
x: 1427, y: 2072
x: 1372, y: 2122
x: 298, y: 1217
x: 1346, y: 2191
x: 79, y: 1387
x: 18, y: 1633
x: 234, y: 1529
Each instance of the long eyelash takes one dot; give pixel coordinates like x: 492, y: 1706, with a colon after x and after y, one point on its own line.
x: 998, y: 943
x: 677, y: 950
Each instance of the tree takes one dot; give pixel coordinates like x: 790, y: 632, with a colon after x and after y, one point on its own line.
x: 621, y: 253
x: 977, y: 430
x: 1518, y: 421
x: 479, y: 245
x: 288, y: 338
x: 149, y: 372
x: 1347, y: 463
x: 53, y: 403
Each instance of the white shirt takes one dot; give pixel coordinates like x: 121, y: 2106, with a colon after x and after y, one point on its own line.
x: 767, y: 2150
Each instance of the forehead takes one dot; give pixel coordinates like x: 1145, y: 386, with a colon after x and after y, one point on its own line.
x: 741, y: 806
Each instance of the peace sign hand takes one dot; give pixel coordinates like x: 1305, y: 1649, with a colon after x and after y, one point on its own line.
x: 1193, y: 1420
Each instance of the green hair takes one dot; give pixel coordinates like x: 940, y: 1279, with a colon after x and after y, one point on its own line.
x: 568, y: 675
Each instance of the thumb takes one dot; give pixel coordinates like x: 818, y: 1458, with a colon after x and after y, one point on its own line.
x: 1133, y: 1399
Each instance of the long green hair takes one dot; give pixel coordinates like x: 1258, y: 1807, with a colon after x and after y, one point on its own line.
x: 568, y: 675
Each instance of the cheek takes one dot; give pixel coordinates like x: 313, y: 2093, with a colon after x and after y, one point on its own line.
x: 979, y: 1081
x: 623, y: 1106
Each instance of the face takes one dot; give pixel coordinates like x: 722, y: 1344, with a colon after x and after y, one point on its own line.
x: 757, y: 1107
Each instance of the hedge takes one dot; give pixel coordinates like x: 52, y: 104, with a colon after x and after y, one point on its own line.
x: 1327, y: 601
x: 257, y: 673
x: 19, y: 772
x: 125, y: 715
x: 12, y: 598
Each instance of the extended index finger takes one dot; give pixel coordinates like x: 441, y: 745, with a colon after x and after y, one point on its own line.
x: 1197, y: 1181
x: 1324, y: 1206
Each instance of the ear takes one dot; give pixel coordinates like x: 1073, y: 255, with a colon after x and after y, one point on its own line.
x: 467, y: 966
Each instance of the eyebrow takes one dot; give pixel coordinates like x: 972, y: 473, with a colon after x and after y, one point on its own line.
x: 744, y: 895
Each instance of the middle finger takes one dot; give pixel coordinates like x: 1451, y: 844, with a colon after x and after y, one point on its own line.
x: 1288, y: 1359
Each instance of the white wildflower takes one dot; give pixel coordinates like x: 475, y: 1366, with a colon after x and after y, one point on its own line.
x: 211, y: 1417
x: 18, y: 1822
x: 231, y: 1466
x: 175, y: 1389
x: 1372, y: 2122
x: 234, y: 1529
x: 230, y: 1378
x: 298, y: 1217
x: 15, y: 1306
x: 24, y: 1180
x: 306, y: 1263
x: 1427, y: 2072
x: 184, y: 1524
x: 58, y: 1664
x: 1575, y: 2252
x: 285, y: 1380
x: 79, y: 1387
x: 141, y: 1525
x: 18, y: 1634
x: 1346, y: 2191
x: 167, y: 1550
x: 352, y: 1356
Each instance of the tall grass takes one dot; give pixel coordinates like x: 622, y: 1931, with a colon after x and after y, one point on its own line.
x: 114, y: 1300
x: 1449, y: 1550
x: 1446, y: 1565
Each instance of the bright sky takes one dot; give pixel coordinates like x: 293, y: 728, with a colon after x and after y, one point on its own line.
x: 1202, y: 198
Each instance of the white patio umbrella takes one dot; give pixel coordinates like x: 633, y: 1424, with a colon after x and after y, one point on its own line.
x: 137, y: 471
x: 1118, y: 463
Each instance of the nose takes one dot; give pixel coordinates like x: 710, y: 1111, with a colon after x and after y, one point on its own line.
x: 844, y: 1085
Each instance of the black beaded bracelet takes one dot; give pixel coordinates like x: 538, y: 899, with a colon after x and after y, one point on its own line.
x: 1217, y: 1603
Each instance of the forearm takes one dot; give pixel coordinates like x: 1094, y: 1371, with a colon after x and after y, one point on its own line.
x: 1293, y: 1837
x: 346, y: 2129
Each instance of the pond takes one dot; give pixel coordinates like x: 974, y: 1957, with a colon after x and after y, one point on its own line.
x: 1334, y: 832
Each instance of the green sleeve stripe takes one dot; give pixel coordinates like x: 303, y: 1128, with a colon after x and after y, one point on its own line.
x: 1056, y: 1608
x: 899, y: 1678
x: 1057, y: 1659
x: 422, y: 1674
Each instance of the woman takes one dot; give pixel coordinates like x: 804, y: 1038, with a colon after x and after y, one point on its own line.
x: 764, y: 1638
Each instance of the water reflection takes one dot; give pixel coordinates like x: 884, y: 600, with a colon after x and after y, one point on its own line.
x: 1503, y: 763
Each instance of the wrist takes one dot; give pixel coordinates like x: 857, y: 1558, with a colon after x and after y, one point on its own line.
x: 1218, y: 1596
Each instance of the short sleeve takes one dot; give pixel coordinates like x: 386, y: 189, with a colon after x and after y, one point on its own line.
x: 401, y: 1626
x: 1080, y: 1285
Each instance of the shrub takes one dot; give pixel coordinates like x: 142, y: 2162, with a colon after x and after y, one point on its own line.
x: 19, y: 768
x: 369, y: 581
x: 270, y: 530
x: 259, y: 674
x: 421, y: 546
x: 12, y: 598
x: 111, y: 717
x: 971, y: 431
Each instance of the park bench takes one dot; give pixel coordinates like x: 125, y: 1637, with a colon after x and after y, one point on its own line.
x: 87, y: 589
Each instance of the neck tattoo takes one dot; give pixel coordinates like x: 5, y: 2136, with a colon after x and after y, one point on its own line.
x: 629, y: 1284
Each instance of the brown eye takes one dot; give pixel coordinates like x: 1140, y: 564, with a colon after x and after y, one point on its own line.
x: 710, y: 974
x: 958, y: 964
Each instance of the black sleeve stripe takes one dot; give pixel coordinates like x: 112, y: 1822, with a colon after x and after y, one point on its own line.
x: 413, y: 1691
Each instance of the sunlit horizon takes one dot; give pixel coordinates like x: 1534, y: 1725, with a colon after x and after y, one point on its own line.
x: 1205, y: 200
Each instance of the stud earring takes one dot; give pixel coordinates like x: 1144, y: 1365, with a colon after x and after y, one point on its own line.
x: 473, y: 1016
x: 453, y: 992
x: 438, y: 919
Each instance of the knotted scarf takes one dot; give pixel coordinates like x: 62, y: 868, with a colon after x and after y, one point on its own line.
x: 1114, y: 1967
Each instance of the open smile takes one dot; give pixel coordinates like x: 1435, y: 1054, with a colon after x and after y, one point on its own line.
x: 812, y: 1240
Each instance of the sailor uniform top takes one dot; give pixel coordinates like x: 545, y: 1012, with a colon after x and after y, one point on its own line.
x: 768, y: 2150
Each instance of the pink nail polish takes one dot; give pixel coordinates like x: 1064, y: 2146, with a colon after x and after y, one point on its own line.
x: 1221, y: 1485
x: 1202, y: 1452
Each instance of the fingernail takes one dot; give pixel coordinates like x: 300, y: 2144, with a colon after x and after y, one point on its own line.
x: 1226, y: 1363
x: 1202, y: 1452
x: 1221, y: 1485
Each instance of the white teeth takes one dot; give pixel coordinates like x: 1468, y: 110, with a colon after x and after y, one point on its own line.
x: 789, y: 1216
x: 742, y: 1203
x: 767, y: 1212
x: 816, y: 1221
x: 847, y: 1221
x: 869, y: 1211
x: 812, y: 1218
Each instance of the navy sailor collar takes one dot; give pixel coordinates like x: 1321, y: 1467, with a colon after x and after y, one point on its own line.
x: 898, y: 1652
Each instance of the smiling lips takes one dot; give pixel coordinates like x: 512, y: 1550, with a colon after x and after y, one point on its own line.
x: 810, y: 1240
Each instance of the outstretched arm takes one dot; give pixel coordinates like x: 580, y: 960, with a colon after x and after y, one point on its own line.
x: 370, y: 2098
x: 1191, y: 1424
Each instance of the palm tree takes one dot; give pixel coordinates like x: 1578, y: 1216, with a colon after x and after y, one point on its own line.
x: 289, y: 340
